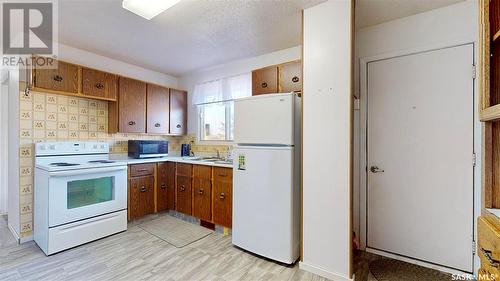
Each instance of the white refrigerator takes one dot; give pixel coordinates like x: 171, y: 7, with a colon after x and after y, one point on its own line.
x: 266, y: 176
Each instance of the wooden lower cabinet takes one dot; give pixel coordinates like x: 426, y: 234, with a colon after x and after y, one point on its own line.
x: 165, y: 192
x: 222, y: 196
x: 141, y: 196
x: 184, y: 194
x: 488, y: 249
x: 202, y: 192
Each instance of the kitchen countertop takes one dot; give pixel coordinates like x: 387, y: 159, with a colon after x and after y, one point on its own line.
x: 178, y: 159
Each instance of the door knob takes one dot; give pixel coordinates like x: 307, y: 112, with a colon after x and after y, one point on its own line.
x: 375, y: 169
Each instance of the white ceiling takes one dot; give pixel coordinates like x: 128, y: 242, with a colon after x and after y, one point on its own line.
x: 191, y: 35
x: 372, y: 12
x: 195, y: 34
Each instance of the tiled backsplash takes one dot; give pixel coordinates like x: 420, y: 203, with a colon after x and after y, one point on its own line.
x: 51, y: 117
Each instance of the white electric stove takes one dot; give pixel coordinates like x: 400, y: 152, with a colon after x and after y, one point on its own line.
x: 80, y: 195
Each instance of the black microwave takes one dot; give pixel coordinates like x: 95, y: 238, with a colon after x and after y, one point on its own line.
x: 147, y: 148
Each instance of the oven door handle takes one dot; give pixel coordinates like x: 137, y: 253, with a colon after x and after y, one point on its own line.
x: 87, y: 171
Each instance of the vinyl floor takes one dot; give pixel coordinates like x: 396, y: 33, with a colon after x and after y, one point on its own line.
x: 137, y: 255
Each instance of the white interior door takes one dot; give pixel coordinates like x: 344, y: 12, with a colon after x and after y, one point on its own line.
x: 420, y: 136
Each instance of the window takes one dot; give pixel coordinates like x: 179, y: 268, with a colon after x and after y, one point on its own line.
x: 216, y: 121
x: 215, y: 103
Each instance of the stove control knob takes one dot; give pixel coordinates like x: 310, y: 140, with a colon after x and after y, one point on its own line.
x: 42, y: 147
x: 95, y: 146
x: 52, y: 147
x: 102, y: 146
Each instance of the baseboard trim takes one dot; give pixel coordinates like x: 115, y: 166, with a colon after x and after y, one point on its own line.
x: 26, y: 239
x: 421, y: 263
x: 321, y: 272
x: 14, y: 233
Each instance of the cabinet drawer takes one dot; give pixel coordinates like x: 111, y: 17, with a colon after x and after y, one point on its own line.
x: 223, y: 174
x: 184, y: 169
x: 202, y: 172
x: 139, y: 170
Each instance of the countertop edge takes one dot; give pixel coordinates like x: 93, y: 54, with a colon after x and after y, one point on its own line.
x: 178, y: 159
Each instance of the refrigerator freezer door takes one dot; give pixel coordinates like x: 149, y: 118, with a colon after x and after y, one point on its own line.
x: 264, y: 199
x: 265, y: 119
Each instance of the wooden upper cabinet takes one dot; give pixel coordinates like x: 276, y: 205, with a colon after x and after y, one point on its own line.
x: 99, y: 84
x: 131, y: 106
x: 178, y: 112
x: 62, y: 79
x: 290, y: 77
x: 158, y: 107
x: 265, y: 80
x: 489, y: 60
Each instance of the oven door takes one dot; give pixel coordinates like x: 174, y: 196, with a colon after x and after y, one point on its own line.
x: 80, y: 194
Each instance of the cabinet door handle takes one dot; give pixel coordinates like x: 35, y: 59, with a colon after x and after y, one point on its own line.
x: 99, y: 86
x: 222, y: 175
x: 201, y: 191
x: 131, y: 123
x: 58, y: 78
x: 143, y: 170
x: 222, y: 195
x: 178, y: 126
x: 143, y: 189
x: 295, y: 79
x: 489, y: 257
x: 163, y: 186
x: 157, y: 125
x: 263, y: 85
x: 183, y: 188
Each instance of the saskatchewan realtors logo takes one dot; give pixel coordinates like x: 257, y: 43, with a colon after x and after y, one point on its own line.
x: 29, y: 29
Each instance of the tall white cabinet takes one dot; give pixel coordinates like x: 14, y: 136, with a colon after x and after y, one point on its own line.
x: 327, y: 139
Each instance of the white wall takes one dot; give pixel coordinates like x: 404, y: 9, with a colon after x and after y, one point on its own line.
x: 233, y: 68
x: 4, y: 127
x: 13, y: 154
x: 447, y: 26
x: 81, y: 57
x: 327, y: 103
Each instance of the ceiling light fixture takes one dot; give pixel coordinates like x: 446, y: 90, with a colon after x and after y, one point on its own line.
x: 148, y: 9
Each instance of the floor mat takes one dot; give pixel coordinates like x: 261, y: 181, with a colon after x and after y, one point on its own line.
x: 175, y: 231
x: 394, y: 270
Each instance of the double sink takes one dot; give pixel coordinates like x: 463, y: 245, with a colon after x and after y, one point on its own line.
x: 216, y: 160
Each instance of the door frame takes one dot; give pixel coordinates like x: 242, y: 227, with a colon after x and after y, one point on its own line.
x: 477, y: 143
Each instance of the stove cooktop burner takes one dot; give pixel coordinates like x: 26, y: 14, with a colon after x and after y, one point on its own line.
x: 101, y: 162
x: 63, y: 164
